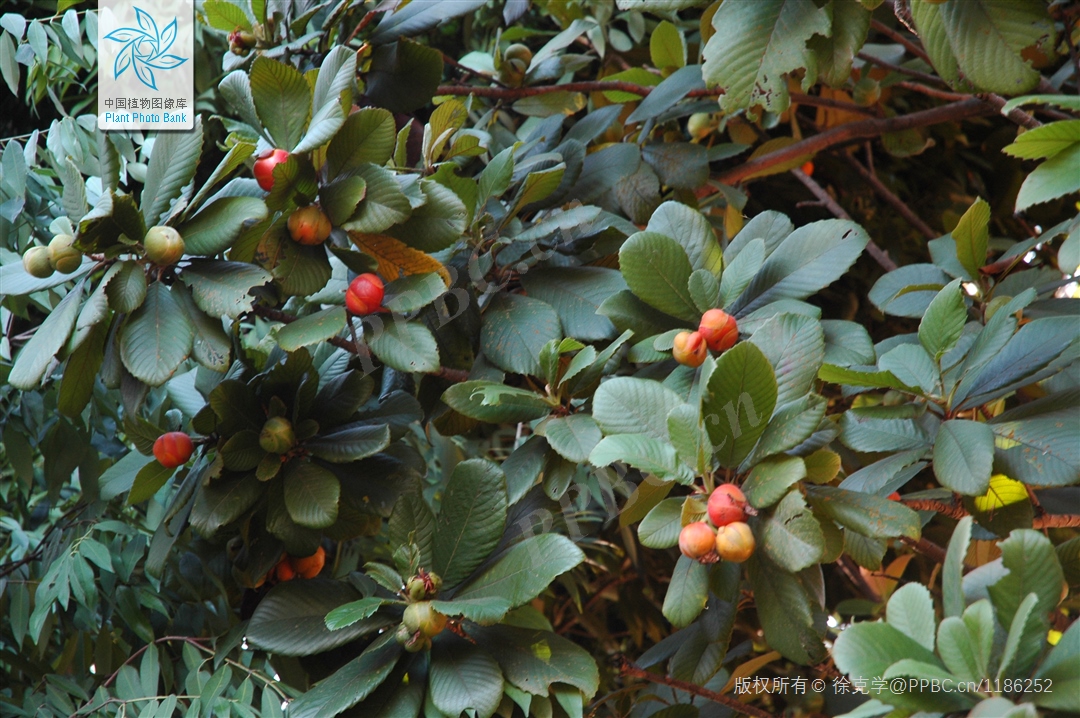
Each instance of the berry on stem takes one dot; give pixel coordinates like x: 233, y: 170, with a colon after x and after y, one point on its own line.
x: 36, y: 262
x: 365, y: 295
x: 719, y: 329
x: 264, y: 167
x: 164, y: 245
x: 727, y: 503
x: 63, y: 256
x: 689, y: 348
x: 735, y: 542
x: 697, y: 540
x: 309, y: 225
x: 173, y: 449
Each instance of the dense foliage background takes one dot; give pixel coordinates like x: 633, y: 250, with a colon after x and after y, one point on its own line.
x: 490, y: 474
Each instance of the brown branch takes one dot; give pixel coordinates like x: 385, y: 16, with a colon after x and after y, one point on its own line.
x: 972, y: 107
x: 515, y: 93
x: 927, y: 548
x: 1016, y: 115
x: 955, y: 511
x: 628, y: 669
x: 886, y: 194
x: 912, y: 47
x: 924, y: 76
x: 931, y: 91
x: 879, y: 254
x: 362, y: 350
x: 850, y: 569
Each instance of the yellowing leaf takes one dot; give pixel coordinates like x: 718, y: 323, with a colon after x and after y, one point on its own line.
x: 395, y: 258
x: 828, y: 117
x: 1002, y: 492
x: 750, y: 668
x: 775, y: 145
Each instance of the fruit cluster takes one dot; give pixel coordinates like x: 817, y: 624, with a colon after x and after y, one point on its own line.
x: 421, y: 621
x: 717, y: 331
x: 60, y: 256
x: 730, y: 540
x: 289, y: 567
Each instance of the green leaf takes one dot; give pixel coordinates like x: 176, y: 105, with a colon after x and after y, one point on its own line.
x: 495, y: 403
x: 351, y: 684
x: 627, y: 405
x: 1046, y: 141
x: 1033, y: 568
x: 692, y: 231
x: 644, y: 452
x: 922, y: 671
x: 1041, y: 450
x: 223, y: 15
x: 350, y: 442
x: 1024, y: 641
x: 795, y: 346
x: 1059, y: 670
x: 311, y: 329
x: 172, y: 166
x: 282, y: 99
x: 872, y: 516
x: 792, y: 621
x: 792, y: 537
x: 855, y: 377
x: 952, y: 573
x: 383, y: 206
x: 913, y: 366
x: 908, y: 291
x: 865, y: 430
x: 405, y: 346
x: 790, y: 427
x: 77, y: 382
x: 339, y: 198
x: 222, y: 289
x: 350, y: 613
x: 412, y: 521
x: 437, y: 224
x: 850, y: 25
x: 470, y: 521
x: 806, y: 261
x: 311, y: 494
x: 147, y: 482
x: 972, y: 235
x: 219, y: 224
x: 405, y: 74
x: 738, y: 402
x: 366, y: 136
x: 157, y: 337
x: 944, y: 320
x: 963, y: 456
x: 534, y: 660
x: 224, y: 501
x: 576, y: 293
x: 756, y: 45
x: 661, y: 526
x: 211, y: 347
x: 573, y: 437
x: 911, y: 611
x: 413, y: 292
x: 1050, y: 180
x: 520, y: 574
x: 866, y: 650
x: 34, y: 358
x: 667, y: 47
x: 464, y: 677
x: 965, y: 643
x: 514, y: 331
x: 657, y: 269
x: 687, y: 592
x: 987, y: 39
x: 771, y: 479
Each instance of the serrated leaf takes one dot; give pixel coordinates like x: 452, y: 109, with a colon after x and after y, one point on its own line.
x: 311, y: 494
x: 222, y: 289
x: 157, y: 337
x: 470, y: 521
x: 520, y: 574
x: 657, y: 270
x: 172, y: 166
x: 687, y: 592
x: 405, y: 346
x: 871, y: 516
x: 219, y: 224
x: 463, y: 677
x: 51, y: 335
x: 738, y: 402
x: 311, y: 329
x: 282, y: 100
x: 964, y: 456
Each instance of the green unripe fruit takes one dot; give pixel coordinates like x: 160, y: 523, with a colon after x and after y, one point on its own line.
x: 422, y: 617
x: 515, y: 64
x: 418, y: 642
x: 277, y: 435
x: 416, y: 589
x: 699, y: 125
x: 62, y: 254
x: 402, y: 635
x: 164, y: 246
x: 36, y: 262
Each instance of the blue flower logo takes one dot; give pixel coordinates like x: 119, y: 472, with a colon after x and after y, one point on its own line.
x: 145, y: 49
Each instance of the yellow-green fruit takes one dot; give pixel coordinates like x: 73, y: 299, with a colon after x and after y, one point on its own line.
x: 164, y: 246
x: 515, y: 63
x: 699, y: 125
x: 62, y: 254
x: 277, y: 435
x: 422, y: 617
x: 36, y: 262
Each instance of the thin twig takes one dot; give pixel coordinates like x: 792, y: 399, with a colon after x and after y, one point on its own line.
x: 886, y: 194
x: 879, y: 254
x: 628, y: 669
x: 924, y: 76
x: 927, y: 548
x: 956, y: 511
x: 1016, y: 115
x: 851, y: 131
x: 912, y: 47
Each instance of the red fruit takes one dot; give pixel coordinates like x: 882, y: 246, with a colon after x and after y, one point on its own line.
x: 808, y: 169
x: 284, y: 570
x: 365, y: 295
x: 264, y: 167
x: 310, y: 566
x: 726, y: 505
x: 309, y: 225
x: 173, y: 449
x: 689, y: 348
x: 697, y: 540
x: 719, y: 329
x: 735, y: 542
x: 894, y: 496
